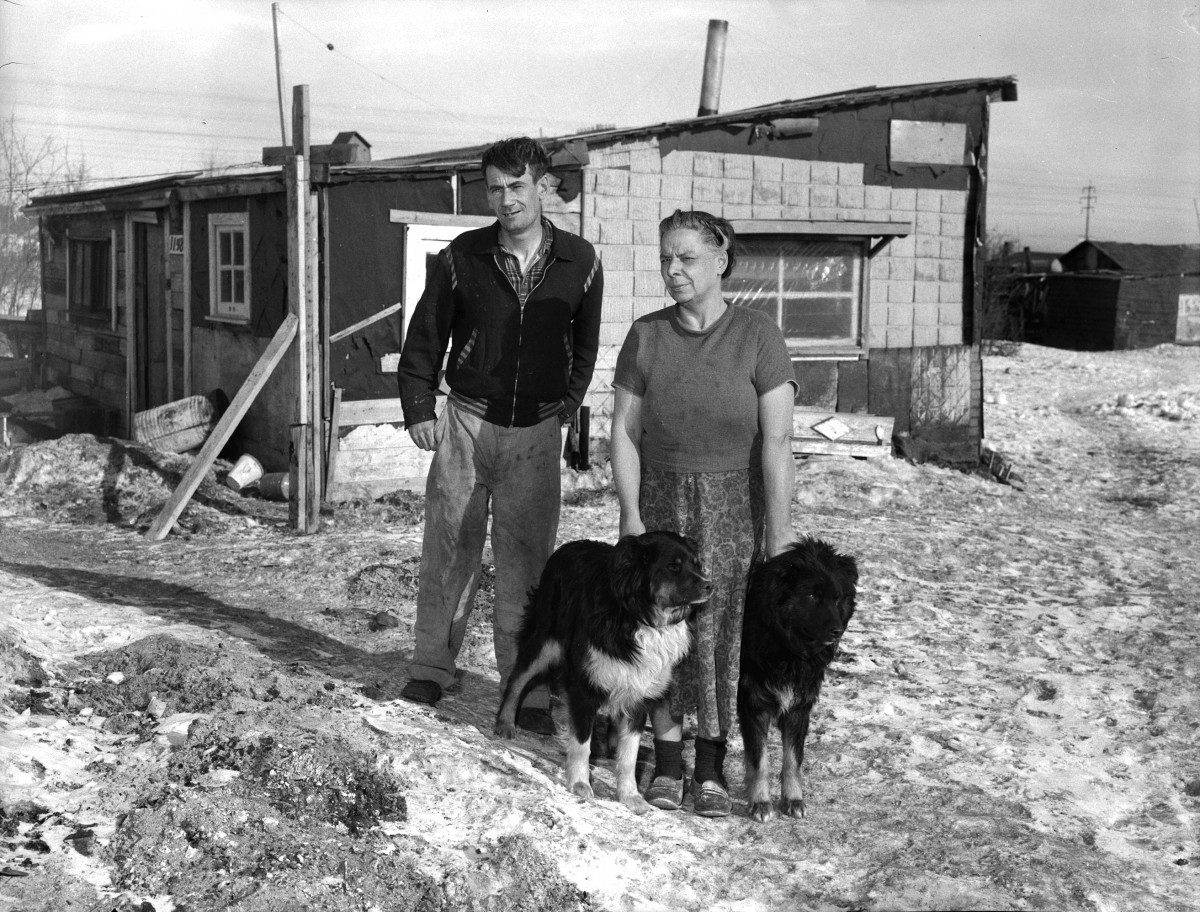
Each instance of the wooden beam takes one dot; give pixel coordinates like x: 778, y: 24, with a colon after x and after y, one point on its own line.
x: 414, y: 217
x: 375, y: 317
x: 220, y: 435
x: 187, y: 299
x: 841, y: 229
x: 131, y: 359
x: 330, y: 154
x: 334, y: 444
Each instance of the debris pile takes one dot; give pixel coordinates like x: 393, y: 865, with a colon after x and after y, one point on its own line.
x: 1180, y: 406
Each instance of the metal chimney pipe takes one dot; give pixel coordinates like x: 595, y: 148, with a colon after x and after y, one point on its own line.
x: 714, y: 67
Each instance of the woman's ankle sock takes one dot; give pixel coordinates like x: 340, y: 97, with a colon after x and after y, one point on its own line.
x: 668, y: 759
x: 710, y: 760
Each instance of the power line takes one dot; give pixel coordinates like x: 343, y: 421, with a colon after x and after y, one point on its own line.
x: 1089, y: 197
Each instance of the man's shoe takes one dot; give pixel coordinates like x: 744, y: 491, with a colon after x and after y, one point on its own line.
x: 426, y: 692
x: 665, y: 793
x: 712, y: 800
x: 537, y: 720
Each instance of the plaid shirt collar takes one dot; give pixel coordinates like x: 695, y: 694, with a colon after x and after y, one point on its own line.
x: 523, y: 285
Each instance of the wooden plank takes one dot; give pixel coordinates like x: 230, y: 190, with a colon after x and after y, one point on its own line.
x: 841, y: 229
x: 314, y: 450
x: 333, y: 445
x: 414, y: 217
x: 831, y: 448
x: 370, y: 411
x: 864, y: 428
x: 131, y: 358
x: 187, y: 299
x: 267, y: 361
x: 379, y: 315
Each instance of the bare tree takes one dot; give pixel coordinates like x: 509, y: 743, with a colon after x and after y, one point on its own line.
x: 27, y: 167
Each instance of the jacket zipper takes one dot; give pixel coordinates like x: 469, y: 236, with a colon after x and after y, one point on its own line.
x: 520, y: 328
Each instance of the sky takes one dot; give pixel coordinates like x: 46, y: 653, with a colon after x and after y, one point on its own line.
x: 1109, y: 90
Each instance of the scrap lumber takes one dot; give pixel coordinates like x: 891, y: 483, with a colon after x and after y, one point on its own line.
x: 257, y: 378
x: 830, y: 433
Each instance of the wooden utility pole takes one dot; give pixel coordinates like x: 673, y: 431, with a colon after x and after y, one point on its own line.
x: 306, y: 462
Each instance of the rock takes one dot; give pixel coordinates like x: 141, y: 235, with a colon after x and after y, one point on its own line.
x: 116, y: 677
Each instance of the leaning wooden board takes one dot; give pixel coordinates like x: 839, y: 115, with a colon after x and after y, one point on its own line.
x: 828, y: 433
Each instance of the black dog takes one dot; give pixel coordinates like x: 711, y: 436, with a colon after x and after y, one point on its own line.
x: 607, y: 624
x: 797, y: 607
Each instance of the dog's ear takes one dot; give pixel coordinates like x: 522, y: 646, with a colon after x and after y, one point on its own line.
x: 693, y: 544
x: 628, y: 570
x: 849, y: 568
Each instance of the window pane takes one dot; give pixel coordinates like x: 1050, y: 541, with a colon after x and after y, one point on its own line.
x: 226, y: 293
x: 225, y: 255
x: 239, y: 287
x: 239, y: 248
x: 811, y: 287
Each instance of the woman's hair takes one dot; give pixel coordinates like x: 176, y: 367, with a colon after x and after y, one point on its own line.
x: 715, y: 231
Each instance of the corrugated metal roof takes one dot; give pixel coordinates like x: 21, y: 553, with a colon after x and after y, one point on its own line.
x: 468, y: 156
x: 1146, y: 259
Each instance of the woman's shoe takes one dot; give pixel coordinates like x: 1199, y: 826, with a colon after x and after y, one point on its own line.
x: 712, y: 800
x: 665, y: 793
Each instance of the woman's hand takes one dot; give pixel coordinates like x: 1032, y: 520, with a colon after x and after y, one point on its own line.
x: 631, y: 525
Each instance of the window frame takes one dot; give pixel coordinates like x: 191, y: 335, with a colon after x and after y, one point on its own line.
x: 228, y: 311
x: 84, y: 308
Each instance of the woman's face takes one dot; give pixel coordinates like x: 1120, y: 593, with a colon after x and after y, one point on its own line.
x: 690, y: 267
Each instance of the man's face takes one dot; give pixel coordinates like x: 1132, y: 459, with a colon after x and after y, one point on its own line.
x: 515, y: 201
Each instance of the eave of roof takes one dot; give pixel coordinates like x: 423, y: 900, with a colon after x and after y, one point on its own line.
x: 196, y: 184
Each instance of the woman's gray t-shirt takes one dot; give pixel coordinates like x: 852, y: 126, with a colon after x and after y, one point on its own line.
x: 700, y: 389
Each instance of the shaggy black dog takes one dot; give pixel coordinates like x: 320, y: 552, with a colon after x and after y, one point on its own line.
x: 797, y: 607
x: 607, y: 624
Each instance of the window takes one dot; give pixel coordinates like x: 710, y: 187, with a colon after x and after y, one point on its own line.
x: 89, y: 278
x: 811, y: 287
x: 229, y: 266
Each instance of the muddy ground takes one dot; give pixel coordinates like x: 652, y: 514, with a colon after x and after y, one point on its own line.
x: 1013, y: 722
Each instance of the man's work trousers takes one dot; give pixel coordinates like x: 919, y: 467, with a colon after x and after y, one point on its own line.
x: 514, y: 471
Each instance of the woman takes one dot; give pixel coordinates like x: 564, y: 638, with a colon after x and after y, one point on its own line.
x: 704, y: 394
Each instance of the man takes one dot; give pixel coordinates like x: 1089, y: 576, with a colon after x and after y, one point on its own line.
x: 518, y: 302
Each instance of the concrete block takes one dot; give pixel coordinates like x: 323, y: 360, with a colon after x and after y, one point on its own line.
x: 676, y: 186
x: 901, y: 269
x: 646, y: 231
x: 824, y: 172
x: 616, y: 231
x: 589, y: 180
x: 590, y: 230
x: 929, y: 223
x: 879, y: 215
x: 877, y: 197
x: 950, y: 314
x: 643, y: 208
x: 900, y: 315
x: 768, y: 168
x: 647, y: 284
x: 678, y: 163
x: 612, y: 207
x: 850, y: 174
x: 951, y: 271
x: 645, y: 258
x: 796, y: 195
x: 953, y: 226
x: 618, y: 282
x: 899, y: 337
x: 925, y: 292
x: 954, y: 202
x: 612, y: 334
x: 950, y: 335
x: 929, y: 247
x: 645, y: 161
x: 737, y: 192
x: 877, y: 336
x: 707, y: 164
x: 645, y: 184
x: 900, y: 292
x: 612, y: 182
x: 767, y: 211
x: 929, y: 200
x: 587, y: 206
x: 952, y: 248
x: 735, y: 212
x: 850, y: 197
x: 615, y: 257
x: 926, y: 314
x: 951, y: 293
x: 880, y: 267
x: 823, y: 196
x: 824, y: 214
x: 614, y: 158
x: 767, y: 193
x: 926, y: 269
x: 739, y: 167
x: 903, y: 247
x: 667, y: 206
x: 904, y: 200
x: 802, y: 213
x: 925, y: 335
x: 796, y: 172
x: 706, y: 190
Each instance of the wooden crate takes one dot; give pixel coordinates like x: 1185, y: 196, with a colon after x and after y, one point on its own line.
x: 860, y: 434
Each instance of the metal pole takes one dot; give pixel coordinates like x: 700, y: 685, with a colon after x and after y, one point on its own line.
x: 714, y: 67
x: 278, y: 73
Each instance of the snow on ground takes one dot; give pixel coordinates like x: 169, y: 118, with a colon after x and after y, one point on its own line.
x: 1013, y: 721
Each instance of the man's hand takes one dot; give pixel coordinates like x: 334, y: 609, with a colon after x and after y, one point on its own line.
x: 424, y: 434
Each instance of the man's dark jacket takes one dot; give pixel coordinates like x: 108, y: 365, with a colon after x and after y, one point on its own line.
x: 516, y: 359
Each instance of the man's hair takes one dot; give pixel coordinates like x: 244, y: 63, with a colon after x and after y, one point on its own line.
x: 713, y: 230
x: 513, y: 155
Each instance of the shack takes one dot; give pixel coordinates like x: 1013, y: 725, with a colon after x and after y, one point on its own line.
x: 1111, y: 295
x: 862, y: 216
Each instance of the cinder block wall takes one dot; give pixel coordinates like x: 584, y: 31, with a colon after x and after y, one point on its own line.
x: 914, y: 288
